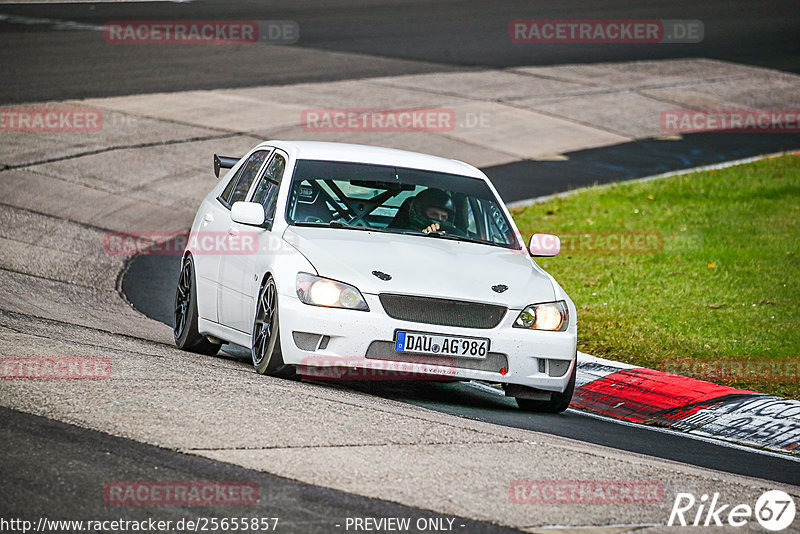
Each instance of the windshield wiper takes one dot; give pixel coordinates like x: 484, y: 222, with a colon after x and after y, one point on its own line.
x: 332, y: 224
x: 454, y: 237
x: 335, y: 224
x: 451, y: 237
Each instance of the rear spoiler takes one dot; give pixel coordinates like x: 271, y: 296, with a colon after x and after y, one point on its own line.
x: 224, y: 162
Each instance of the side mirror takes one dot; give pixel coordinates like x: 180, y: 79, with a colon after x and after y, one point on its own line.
x: 251, y: 213
x: 544, y: 245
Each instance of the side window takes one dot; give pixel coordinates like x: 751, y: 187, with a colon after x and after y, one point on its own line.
x: 498, y: 229
x: 239, y: 185
x: 266, y: 192
x: 226, y: 194
x: 472, y: 224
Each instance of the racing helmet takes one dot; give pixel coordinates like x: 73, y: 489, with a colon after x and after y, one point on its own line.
x: 431, y: 198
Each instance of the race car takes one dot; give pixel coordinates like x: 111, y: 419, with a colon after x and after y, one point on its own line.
x: 330, y: 256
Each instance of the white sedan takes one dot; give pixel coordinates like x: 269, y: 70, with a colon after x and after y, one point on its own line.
x: 338, y: 260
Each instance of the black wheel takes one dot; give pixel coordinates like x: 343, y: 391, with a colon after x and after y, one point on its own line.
x: 559, y: 401
x: 185, y: 330
x: 266, y: 351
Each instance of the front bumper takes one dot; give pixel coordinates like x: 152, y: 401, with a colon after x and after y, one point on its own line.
x: 317, y: 338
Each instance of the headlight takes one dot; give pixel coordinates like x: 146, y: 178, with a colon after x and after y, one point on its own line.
x: 318, y: 291
x: 546, y: 316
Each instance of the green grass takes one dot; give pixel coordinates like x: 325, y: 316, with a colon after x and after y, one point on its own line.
x: 725, y: 285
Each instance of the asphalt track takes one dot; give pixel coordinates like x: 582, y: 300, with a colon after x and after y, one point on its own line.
x: 54, y: 467
x: 350, y: 39
x: 150, y: 280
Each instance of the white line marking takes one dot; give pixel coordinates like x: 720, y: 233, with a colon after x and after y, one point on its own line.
x: 715, y: 166
x: 714, y: 441
x: 499, y: 392
x: 59, y: 24
x: 55, y: 23
x: 588, y: 358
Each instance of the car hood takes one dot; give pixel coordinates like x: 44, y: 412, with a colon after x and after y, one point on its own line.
x: 421, y: 265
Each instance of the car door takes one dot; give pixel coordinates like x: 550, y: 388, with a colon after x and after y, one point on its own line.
x: 214, y: 225
x: 218, y: 238
x: 238, y: 269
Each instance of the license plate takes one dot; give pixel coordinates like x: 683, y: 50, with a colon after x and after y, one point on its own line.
x: 424, y: 343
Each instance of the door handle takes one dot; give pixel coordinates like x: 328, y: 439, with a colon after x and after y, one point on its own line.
x: 208, y: 218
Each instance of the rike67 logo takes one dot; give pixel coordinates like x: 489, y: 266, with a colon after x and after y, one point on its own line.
x: 774, y: 511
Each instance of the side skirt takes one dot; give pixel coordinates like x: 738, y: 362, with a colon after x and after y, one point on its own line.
x: 204, y: 326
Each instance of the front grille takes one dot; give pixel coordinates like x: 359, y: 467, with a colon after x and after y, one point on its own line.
x: 306, y: 341
x: 443, y: 312
x: 384, y: 350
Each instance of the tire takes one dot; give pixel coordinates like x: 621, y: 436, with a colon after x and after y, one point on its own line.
x: 559, y: 401
x: 185, y: 319
x: 266, y: 349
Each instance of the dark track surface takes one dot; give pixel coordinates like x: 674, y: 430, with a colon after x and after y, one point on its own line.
x: 380, y: 37
x: 466, y: 401
x: 49, y: 467
x: 647, y: 157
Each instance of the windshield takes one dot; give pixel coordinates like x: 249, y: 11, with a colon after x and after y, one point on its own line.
x: 397, y: 200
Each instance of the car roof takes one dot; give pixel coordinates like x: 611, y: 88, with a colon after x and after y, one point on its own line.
x: 319, y: 150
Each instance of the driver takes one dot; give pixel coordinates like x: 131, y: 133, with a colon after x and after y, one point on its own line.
x: 429, y: 208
